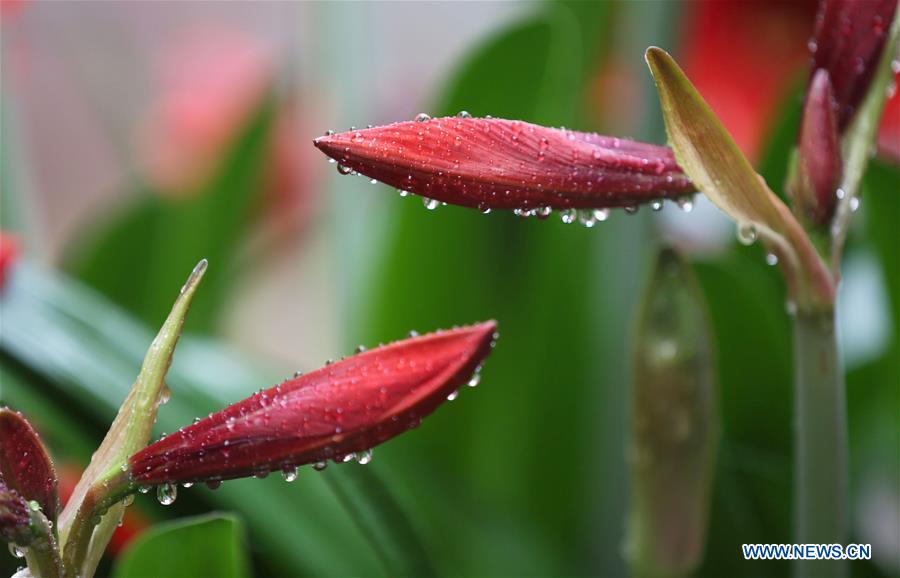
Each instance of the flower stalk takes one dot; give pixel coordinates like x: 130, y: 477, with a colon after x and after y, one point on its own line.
x: 820, y: 442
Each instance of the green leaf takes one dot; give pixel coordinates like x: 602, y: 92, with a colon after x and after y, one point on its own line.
x: 382, y: 520
x: 129, y: 432
x: 717, y: 167
x: 209, y: 545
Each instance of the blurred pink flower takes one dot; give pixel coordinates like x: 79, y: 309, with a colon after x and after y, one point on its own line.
x: 208, y: 84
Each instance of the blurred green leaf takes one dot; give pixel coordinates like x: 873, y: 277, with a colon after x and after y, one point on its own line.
x: 455, y: 266
x: 376, y: 511
x: 135, y: 255
x: 211, y: 545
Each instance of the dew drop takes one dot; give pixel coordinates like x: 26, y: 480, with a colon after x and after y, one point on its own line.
x: 422, y: 117
x: 319, y: 466
x: 475, y: 379
x: 631, y: 209
x: 840, y: 194
x: 213, y: 484
x: 586, y: 218
x: 463, y: 114
x: 329, y: 132
x: 790, y: 307
x: 686, y: 204
x: 166, y: 494
x: 16, y: 551
x: 364, y: 457
x: 430, y: 204
x: 344, y: 169
x: 348, y: 458
x: 568, y: 216
x: 187, y: 485
x: 656, y: 205
x: 403, y: 193
x: 453, y: 395
x: 854, y: 204
x: 543, y: 212
x: 360, y: 348
x: 144, y: 489
x: 771, y: 259
x: 746, y: 233
x: 484, y: 208
x: 128, y: 500
x: 373, y: 181
x: 289, y: 473
x: 601, y: 215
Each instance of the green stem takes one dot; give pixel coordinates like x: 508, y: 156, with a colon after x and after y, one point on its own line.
x: 820, y: 430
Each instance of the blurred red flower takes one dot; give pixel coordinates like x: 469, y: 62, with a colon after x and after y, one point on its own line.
x: 9, y: 251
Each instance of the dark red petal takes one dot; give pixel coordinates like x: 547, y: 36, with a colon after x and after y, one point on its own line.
x: 820, y: 153
x: 345, y: 407
x: 850, y: 36
x: 15, y: 518
x: 24, y: 463
x: 508, y: 164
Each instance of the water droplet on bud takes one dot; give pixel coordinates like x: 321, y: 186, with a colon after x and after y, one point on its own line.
x: 289, y: 473
x: 453, y: 395
x: 319, y: 466
x: 746, y: 233
x: 771, y: 259
x: 568, y: 215
x: 430, y: 204
x: 422, y: 117
x: 463, y: 114
x: 364, y: 457
x: 166, y: 494
x: 344, y: 170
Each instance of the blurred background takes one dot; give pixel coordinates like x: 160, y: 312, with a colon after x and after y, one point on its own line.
x: 140, y: 137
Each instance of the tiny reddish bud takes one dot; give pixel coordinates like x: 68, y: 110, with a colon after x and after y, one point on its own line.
x: 849, y: 39
x: 9, y: 250
x: 489, y: 163
x: 819, y: 168
x: 15, y: 517
x: 345, y: 407
x: 24, y: 463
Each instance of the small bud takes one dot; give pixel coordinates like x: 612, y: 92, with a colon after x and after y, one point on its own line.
x: 15, y: 517
x: 25, y: 465
x: 674, y: 425
x: 818, y: 171
x: 849, y: 39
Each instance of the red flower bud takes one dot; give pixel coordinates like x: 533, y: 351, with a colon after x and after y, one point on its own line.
x: 819, y: 169
x: 15, y: 517
x: 24, y: 463
x: 491, y: 163
x: 849, y: 38
x: 345, y: 407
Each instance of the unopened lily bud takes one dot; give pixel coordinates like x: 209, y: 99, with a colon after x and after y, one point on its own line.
x: 818, y: 172
x: 674, y: 430
x: 492, y: 163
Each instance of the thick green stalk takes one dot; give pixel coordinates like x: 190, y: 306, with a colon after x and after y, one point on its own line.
x: 820, y: 437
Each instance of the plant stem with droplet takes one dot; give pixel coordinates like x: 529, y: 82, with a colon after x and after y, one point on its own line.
x: 820, y: 442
